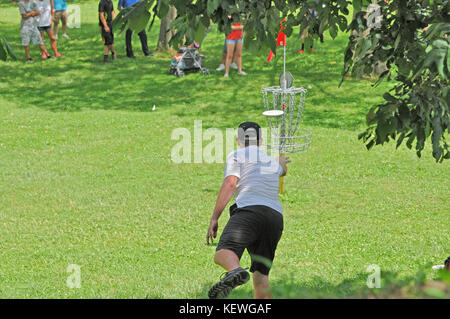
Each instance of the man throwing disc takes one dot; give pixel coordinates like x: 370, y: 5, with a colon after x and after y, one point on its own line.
x: 256, y: 221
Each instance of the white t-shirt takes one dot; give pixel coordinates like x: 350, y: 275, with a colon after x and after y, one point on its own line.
x: 258, y: 175
x: 45, y: 18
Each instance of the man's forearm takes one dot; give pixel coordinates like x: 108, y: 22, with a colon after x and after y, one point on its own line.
x: 225, y: 194
x: 103, y: 20
x: 222, y: 201
x: 29, y: 14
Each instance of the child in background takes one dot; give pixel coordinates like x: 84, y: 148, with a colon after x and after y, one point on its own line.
x: 60, y: 13
x: 106, y: 16
x: 28, y: 28
x: 46, y: 9
x: 176, y: 58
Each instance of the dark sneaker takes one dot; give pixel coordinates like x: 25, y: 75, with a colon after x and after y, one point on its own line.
x: 150, y: 53
x: 232, y: 279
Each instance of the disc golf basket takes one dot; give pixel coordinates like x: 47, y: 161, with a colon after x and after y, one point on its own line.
x: 283, y: 110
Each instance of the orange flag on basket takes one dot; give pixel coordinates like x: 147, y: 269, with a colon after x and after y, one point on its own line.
x: 281, y: 40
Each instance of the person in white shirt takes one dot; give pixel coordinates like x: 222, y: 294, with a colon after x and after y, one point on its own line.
x: 256, y: 221
x: 45, y: 21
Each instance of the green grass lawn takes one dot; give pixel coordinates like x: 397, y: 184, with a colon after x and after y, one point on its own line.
x: 86, y: 175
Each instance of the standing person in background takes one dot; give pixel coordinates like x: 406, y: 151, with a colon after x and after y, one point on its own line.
x: 60, y: 13
x: 106, y: 15
x: 235, y: 40
x: 233, y: 65
x: 45, y: 23
x: 312, y: 16
x: 28, y: 28
x: 129, y: 33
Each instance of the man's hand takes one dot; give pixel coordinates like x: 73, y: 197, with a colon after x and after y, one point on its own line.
x: 284, y: 160
x: 212, y: 231
x: 106, y: 29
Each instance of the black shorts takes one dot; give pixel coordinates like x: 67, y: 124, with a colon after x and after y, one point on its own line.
x: 44, y: 29
x: 257, y: 229
x: 108, y: 37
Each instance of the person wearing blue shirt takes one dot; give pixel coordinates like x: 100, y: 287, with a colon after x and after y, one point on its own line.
x: 60, y: 13
x: 129, y: 32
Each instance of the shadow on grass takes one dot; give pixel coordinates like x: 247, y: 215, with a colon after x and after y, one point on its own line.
x: 81, y: 80
x: 392, y: 286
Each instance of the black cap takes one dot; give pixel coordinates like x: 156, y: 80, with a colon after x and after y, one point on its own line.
x: 249, y: 131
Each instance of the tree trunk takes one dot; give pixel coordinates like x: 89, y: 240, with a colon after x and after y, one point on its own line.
x: 164, y: 36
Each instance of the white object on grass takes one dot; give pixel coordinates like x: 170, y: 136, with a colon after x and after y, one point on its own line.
x: 437, y: 267
x: 154, y: 107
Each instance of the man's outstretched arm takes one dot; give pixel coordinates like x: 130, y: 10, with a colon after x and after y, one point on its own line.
x: 226, y: 191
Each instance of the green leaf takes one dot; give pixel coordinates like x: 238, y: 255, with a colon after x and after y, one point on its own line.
x: 397, y: 41
x: 138, y: 23
x: 130, y: 15
x: 212, y: 6
x: 3, y: 54
x: 436, y: 56
x: 10, y: 50
x: 370, y: 144
x: 357, y: 4
x: 333, y: 31
x: 411, y: 136
x: 120, y: 23
x: 199, y: 32
x: 400, y: 139
x: 162, y: 8
x: 371, y: 116
x: 388, y: 97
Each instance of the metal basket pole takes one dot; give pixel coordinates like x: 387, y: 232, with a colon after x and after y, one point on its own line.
x: 286, y: 135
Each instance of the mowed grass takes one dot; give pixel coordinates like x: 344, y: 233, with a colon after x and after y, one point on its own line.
x: 86, y: 175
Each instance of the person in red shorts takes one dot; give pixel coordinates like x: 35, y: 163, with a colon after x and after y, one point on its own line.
x: 234, y: 42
